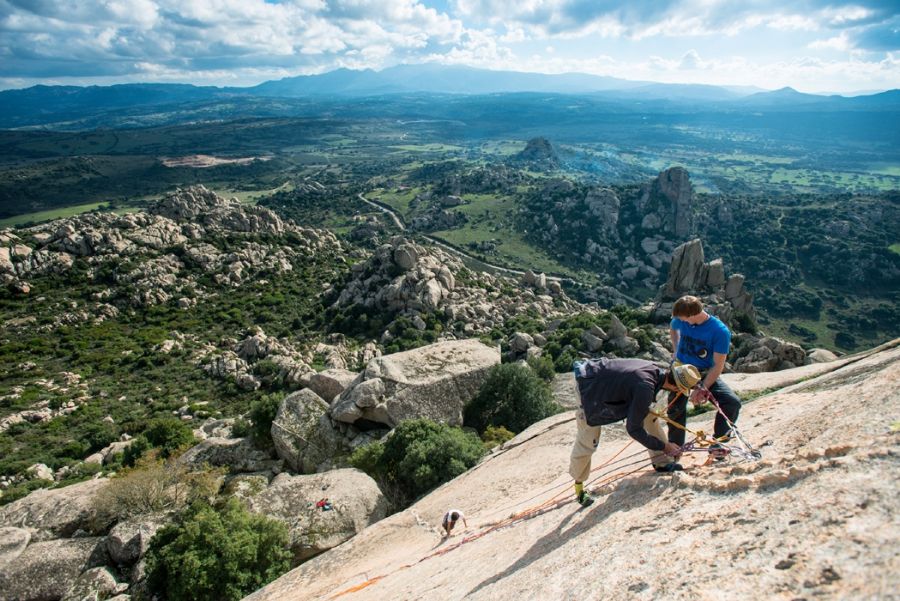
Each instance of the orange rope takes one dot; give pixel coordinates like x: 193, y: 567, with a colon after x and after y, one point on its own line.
x: 550, y: 503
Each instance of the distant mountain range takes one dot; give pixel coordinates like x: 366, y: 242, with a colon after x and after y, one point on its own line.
x: 55, y: 105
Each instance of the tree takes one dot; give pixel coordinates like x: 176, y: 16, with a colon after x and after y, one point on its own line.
x: 217, y: 555
x: 511, y: 396
x: 418, y: 456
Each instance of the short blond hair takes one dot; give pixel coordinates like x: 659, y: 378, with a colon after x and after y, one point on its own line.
x: 687, y: 306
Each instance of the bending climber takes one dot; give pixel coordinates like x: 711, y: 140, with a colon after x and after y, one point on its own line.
x: 610, y: 390
x: 702, y: 340
x: 450, y: 519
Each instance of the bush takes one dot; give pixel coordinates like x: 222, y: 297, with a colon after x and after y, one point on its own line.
x: 495, y: 436
x: 152, y: 486
x: 169, y: 435
x: 217, y: 555
x: 262, y: 414
x: 241, y: 428
x: 511, y: 396
x: 542, y: 367
x: 418, y: 456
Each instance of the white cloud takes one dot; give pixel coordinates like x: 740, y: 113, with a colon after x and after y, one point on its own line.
x: 838, y: 42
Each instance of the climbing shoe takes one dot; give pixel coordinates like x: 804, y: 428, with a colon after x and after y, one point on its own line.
x: 584, y: 498
x: 718, y: 452
x: 669, y: 468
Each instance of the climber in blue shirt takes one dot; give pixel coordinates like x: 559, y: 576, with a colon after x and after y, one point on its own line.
x: 702, y: 340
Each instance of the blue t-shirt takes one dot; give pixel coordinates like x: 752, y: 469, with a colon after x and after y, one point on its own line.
x: 696, y: 344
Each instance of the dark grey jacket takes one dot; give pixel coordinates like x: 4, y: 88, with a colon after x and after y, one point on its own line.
x: 617, y: 389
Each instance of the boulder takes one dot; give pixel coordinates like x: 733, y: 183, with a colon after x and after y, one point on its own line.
x: 55, y: 513
x: 715, y: 274
x: 686, y: 273
x: 303, y: 433
x: 520, y: 341
x: 616, y: 328
x: 237, y: 454
x: 405, y: 256
x: 434, y: 381
x: 356, y: 503
x: 331, y: 382
x: 127, y: 542
x: 625, y: 346
x: 12, y: 542
x: 674, y: 185
x: 591, y: 342
x: 820, y: 355
x: 93, y: 585
x: 40, y: 471
x: 46, y: 570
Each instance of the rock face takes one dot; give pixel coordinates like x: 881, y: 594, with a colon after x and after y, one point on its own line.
x: 237, y: 454
x: 410, y: 281
x: 758, y: 354
x: 356, y: 503
x: 46, y: 570
x: 669, y: 196
x: 331, y: 382
x: 814, y: 518
x: 539, y: 151
x: 12, y: 542
x: 303, y: 433
x: 96, y: 583
x: 128, y: 541
x: 434, y: 381
x: 55, y: 513
x: 690, y: 274
x: 181, y: 219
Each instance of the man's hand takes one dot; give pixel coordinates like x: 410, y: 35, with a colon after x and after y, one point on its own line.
x: 672, y: 450
x: 700, y: 396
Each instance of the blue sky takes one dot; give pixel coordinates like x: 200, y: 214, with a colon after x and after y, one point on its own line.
x: 814, y: 46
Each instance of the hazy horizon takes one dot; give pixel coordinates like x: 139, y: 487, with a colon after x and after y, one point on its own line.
x: 813, y: 46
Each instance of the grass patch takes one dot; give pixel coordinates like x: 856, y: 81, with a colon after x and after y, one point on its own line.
x: 60, y: 213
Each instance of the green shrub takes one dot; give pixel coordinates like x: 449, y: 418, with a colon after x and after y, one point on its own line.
x: 241, y: 428
x: 132, y: 453
x: 262, y: 414
x: 169, y: 435
x: 217, y: 555
x: 511, y: 396
x: 418, y: 456
x: 494, y: 436
x: 166, y: 434
x: 542, y: 367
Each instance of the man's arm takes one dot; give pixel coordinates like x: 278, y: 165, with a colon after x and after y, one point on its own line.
x: 637, y: 412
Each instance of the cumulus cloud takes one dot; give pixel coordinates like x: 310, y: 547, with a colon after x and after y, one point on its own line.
x: 69, y: 38
x: 241, y: 42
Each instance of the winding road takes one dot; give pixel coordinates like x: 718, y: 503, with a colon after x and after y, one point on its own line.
x: 468, y: 259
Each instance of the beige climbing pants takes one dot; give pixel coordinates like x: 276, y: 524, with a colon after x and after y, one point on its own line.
x: 587, y: 438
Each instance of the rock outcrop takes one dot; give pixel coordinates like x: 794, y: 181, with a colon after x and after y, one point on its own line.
x: 47, y: 570
x: 669, y: 198
x: 689, y: 273
x: 410, y: 281
x: 55, y: 513
x: 434, y: 381
x: 355, y: 499
x: 814, y: 518
x: 236, y: 454
x: 180, y: 220
x: 303, y: 432
x: 539, y: 152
